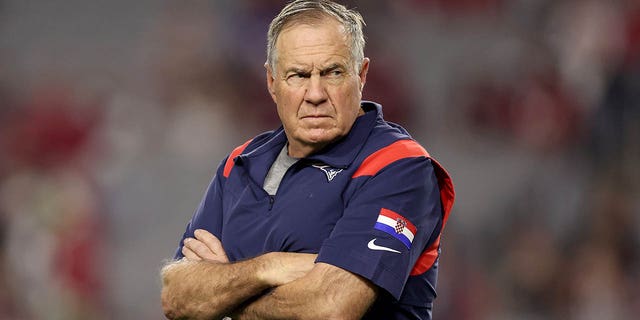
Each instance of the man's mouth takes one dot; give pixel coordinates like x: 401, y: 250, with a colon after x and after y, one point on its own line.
x: 315, y: 116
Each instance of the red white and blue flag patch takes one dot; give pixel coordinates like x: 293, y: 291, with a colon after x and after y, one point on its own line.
x: 397, y: 226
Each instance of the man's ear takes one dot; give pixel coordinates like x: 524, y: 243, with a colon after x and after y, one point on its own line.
x: 363, y: 72
x: 270, y: 81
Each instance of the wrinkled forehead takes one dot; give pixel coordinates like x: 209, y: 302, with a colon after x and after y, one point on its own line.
x: 305, y: 41
x: 314, y: 55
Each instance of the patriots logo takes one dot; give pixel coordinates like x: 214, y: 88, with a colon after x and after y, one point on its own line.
x: 329, y: 171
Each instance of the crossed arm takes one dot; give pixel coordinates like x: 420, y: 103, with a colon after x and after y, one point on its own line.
x: 204, y: 285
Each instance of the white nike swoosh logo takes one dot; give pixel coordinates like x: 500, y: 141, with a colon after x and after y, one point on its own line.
x: 374, y: 246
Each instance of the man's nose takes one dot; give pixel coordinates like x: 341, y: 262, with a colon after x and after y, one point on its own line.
x: 315, y: 93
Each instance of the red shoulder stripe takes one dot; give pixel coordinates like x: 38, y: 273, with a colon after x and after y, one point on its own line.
x: 398, y: 150
x: 447, y: 192
x: 426, y: 259
x: 408, y: 149
x: 228, y: 165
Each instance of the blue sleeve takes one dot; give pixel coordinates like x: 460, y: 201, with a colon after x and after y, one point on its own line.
x: 208, y: 215
x: 406, y: 189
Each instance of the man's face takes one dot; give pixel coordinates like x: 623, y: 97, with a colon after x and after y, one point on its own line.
x: 315, y: 85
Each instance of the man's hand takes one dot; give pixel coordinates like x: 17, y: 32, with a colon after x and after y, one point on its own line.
x: 185, y: 297
x: 204, y: 285
x: 205, y: 246
x: 281, y: 267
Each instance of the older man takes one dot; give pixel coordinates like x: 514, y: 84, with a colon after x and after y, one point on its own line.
x: 335, y: 215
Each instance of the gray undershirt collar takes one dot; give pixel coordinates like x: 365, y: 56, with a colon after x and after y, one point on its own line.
x: 277, y: 171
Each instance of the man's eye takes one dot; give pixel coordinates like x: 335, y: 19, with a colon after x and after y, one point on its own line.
x: 335, y: 73
x: 296, y: 76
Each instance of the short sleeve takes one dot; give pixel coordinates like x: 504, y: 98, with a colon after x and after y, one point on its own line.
x: 208, y: 215
x: 387, y: 223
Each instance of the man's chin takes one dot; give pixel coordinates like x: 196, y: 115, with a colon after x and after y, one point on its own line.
x: 320, y: 137
x: 310, y: 141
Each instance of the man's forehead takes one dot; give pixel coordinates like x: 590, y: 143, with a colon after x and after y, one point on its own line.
x: 327, y: 31
x: 306, y: 49
x: 329, y: 64
x: 301, y: 60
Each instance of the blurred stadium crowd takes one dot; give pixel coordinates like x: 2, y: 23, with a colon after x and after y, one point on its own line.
x: 115, y: 114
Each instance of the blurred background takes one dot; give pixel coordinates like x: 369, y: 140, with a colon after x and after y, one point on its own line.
x: 115, y: 114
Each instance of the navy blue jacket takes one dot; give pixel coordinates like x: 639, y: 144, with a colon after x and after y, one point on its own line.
x: 373, y: 203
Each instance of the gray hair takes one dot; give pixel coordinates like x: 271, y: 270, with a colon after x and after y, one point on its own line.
x: 309, y: 10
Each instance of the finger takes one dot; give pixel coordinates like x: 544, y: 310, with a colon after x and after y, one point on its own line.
x: 189, y: 254
x: 199, y: 248
x: 213, y: 243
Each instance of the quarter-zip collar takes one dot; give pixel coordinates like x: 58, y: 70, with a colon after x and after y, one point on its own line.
x: 339, y: 154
